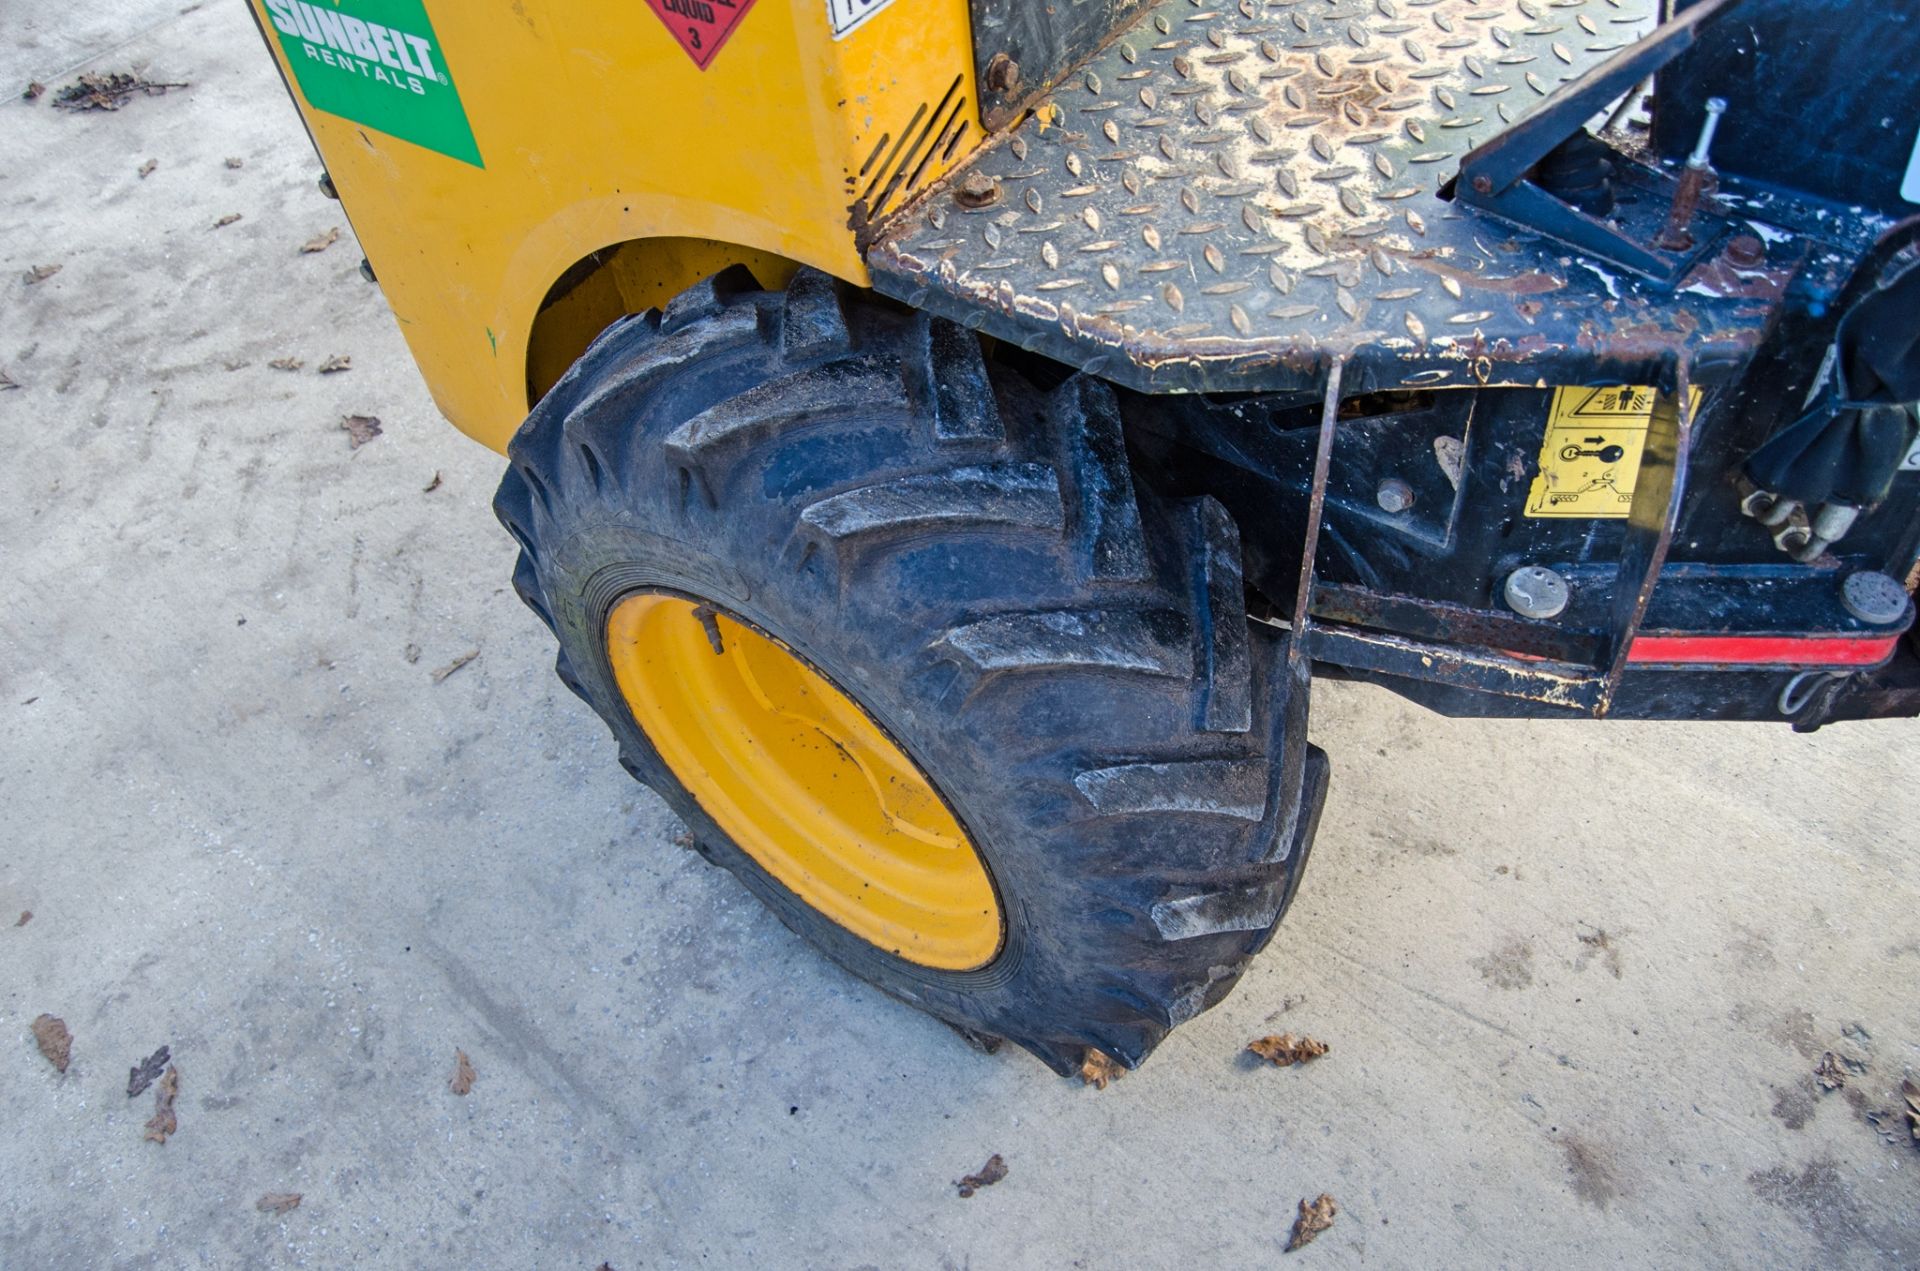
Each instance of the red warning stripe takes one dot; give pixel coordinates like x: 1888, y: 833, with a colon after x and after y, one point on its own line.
x: 1736, y: 650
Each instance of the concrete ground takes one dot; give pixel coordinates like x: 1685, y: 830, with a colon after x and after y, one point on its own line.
x: 1576, y: 977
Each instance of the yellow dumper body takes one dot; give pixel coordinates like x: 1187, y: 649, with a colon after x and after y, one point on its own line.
x: 521, y: 174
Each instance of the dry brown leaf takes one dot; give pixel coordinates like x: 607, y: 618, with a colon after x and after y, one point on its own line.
x: 56, y: 1043
x: 455, y: 665
x: 33, y: 90
x: 992, y: 1172
x: 287, y: 363
x: 234, y: 161
x: 147, y: 168
x: 142, y: 1076
x: 26, y: 916
x: 1829, y: 1073
x: 1287, y: 1049
x: 7, y: 381
x: 432, y: 485
x: 163, y: 1122
x: 1911, y: 1093
x: 1315, y: 1217
x: 360, y: 429
x: 40, y: 273
x: 229, y: 219
x: 1097, y: 1068
x: 321, y: 242
x: 463, y: 1074
x: 278, y: 1202
x: 337, y: 363
x: 109, y: 91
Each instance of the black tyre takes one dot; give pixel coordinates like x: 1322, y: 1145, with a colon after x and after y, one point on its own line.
x: 1066, y: 656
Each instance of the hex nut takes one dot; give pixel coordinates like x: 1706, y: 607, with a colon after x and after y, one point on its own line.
x: 1757, y: 503
x: 1394, y: 495
x: 1791, y: 537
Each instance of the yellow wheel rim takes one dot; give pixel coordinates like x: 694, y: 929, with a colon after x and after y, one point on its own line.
x: 804, y: 781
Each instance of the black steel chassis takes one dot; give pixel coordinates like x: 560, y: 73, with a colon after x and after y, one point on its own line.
x: 1312, y: 241
x: 1409, y: 599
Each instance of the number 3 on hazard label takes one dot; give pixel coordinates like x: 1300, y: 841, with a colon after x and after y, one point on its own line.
x: 700, y: 27
x: 845, y: 15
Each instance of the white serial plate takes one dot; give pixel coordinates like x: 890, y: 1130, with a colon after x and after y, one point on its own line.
x: 848, y: 14
x: 1909, y: 188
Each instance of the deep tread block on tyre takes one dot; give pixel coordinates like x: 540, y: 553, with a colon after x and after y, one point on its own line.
x: 650, y: 362
x: 1023, y: 495
x: 1210, y: 787
x: 1066, y: 640
x: 1107, y: 536
x: 848, y: 390
x: 813, y: 324
x: 1220, y: 612
x: 707, y: 298
x: 964, y: 408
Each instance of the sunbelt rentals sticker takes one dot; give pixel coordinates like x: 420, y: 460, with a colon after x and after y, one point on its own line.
x: 377, y: 63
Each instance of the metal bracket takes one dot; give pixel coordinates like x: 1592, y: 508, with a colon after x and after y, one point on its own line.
x: 1496, y: 177
x: 1658, y: 497
x: 1316, y: 506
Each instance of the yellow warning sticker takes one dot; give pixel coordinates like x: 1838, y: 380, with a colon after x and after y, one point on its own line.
x: 1591, y: 456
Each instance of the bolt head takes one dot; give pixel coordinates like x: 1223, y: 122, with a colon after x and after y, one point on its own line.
x: 1002, y: 75
x: 1534, y: 591
x: 977, y: 189
x: 1876, y: 598
x: 1394, y: 495
x: 1483, y: 185
x: 1746, y: 251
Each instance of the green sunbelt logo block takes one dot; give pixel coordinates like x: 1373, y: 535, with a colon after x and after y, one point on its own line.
x: 377, y: 63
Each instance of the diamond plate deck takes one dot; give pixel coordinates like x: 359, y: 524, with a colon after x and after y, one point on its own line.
x: 1230, y: 196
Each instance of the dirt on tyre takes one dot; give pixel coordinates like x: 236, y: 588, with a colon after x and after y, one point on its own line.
x: 898, y: 635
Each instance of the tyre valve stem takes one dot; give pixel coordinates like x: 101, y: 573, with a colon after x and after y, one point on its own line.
x: 711, y: 626
x: 1675, y: 236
